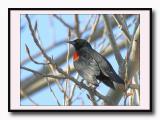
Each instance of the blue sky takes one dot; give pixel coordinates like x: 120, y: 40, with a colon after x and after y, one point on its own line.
x: 51, y: 31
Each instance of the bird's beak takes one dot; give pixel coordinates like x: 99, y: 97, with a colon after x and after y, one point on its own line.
x: 70, y: 42
x: 67, y: 41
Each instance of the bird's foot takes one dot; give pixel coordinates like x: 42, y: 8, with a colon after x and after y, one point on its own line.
x: 93, y: 87
x: 97, y: 84
x: 81, y: 83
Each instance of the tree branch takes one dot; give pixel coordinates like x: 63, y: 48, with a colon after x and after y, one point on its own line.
x: 123, y: 27
x: 108, y: 28
x: 132, y: 67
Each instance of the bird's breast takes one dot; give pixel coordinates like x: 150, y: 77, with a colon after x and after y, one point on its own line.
x: 75, y: 56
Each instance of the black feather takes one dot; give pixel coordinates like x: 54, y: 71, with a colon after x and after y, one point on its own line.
x: 106, y: 80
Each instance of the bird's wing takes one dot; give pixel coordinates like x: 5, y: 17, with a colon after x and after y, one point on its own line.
x: 87, y: 67
x: 104, y: 66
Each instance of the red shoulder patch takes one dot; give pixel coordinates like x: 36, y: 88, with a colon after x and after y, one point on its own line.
x: 75, y: 56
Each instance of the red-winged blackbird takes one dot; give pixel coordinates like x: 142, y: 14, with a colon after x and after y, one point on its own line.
x: 92, y: 66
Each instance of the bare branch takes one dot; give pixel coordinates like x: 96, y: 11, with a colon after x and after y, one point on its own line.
x: 39, y: 53
x: 86, y: 26
x: 63, y: 22
x: 93, y: 28
x: 92, y: 98
x: 28, y: 52
x: 137, y: 22
x: 122, y: 26
x: 126, y: 97
x: 66, y: 97
x: 77, y: 30
x: 41, y: 74
x: 132, y: 66
x: 72, y: 92
x: 112, y: 40
x: 29, y: 98
x: 134, y: 54
x: 52, y: 92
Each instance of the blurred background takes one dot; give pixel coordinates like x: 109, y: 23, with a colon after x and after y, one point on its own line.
x: 52, y: 31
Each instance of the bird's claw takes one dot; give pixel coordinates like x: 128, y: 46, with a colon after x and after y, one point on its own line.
x: 81, y: 83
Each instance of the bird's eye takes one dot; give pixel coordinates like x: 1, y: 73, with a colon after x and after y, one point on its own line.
x: 80, y: 43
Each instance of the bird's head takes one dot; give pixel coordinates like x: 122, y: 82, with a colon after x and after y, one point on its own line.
x: 79, y: 43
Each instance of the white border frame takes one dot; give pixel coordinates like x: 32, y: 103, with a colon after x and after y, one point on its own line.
x: 144, y: 63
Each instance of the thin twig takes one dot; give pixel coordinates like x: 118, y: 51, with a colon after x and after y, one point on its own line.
x: 137, y: 81
x: 28, y: 52
x: 93, y: 28
x: 134, y: 54
x: 26, y: 60
x: 122, y: 27
x: 52, y: 92
x: 126, y: 97
x: 51, y: 62
x: 41, y: 74
x: 133, y: 86
x: 66, y: 98
x: 103, y: 40
x: 77, y: 30
x: 124, y: 23
x: 78, y: 96
x: 108, y: 28
x: 92, y: 98
x: 37, y: 33
x: 137, y: 22
x: 72, y: 91
x: 29, y: 98
x: 87, y: 24
x: 63, y: 22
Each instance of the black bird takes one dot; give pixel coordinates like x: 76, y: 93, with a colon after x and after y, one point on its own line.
x: 92, y: 66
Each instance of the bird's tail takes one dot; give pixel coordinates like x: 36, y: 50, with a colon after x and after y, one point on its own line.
x: 119, y: 79
x: 109, y: 83
x: 106, y: 80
